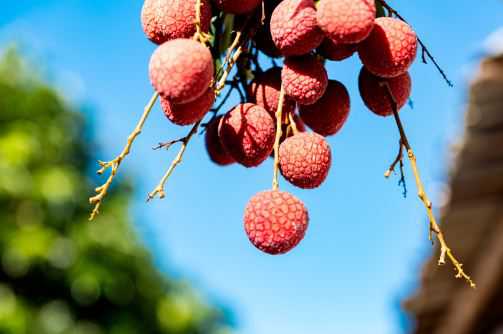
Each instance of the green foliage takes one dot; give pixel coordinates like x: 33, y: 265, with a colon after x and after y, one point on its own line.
x: 60, y: 273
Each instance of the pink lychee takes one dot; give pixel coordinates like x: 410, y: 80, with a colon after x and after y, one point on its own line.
x: 374, y: 92
x: 275, y: 221
x: 191, y: 112
x: 305, y: 160
x: 181, y: 70
x: 294, y: 29
x: 336, y: 51
x: 304, y: 79
x: 327, y: 116
x: 346, y: 21
x: 390, y: 49
x: 164, y: 20
x: 237, y: 6
x: 214, y: 147
x: 248, y: 132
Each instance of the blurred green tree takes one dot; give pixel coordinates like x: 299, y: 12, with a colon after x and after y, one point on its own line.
x: 58, y: 272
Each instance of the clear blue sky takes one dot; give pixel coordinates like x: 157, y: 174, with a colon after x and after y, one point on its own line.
x: 365, y: 244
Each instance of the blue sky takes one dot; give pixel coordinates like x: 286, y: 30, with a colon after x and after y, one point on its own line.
x: 365, y: 244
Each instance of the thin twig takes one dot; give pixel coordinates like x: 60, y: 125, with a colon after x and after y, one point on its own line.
x: 279, y: 125
x: 398, y: 161
x: 445, y: 251
x: 159, y: 190
x: 200, y: 35
x: 292, y: 123
x: 115, y: 163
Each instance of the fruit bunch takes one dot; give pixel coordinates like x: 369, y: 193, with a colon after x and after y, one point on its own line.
x: 209, y: 49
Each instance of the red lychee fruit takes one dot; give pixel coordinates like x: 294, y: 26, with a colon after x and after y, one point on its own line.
x: 336, y: 51
x: 304, y: 79
x: 327, y: 116
x: 305, y: 160
x: 275, y: 221
x: 346, y: 21
x: 237, y: 6
x: 294, y: 29
x: 181, y: 70
x: 375, y: 95
x: 191, y: 112
x: 390, y: 49
x: 248, y: 132
x: 214, y: 147
x: 164, y: 20
x: 265, y: 91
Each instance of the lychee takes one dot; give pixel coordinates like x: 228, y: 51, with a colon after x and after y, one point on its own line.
x: 248, y: 132
x: 214, y: 147
x: 164, y: 20
x: 294, y: 29
x: 305, y: 160
x: 237, y: 6
x: 191, y: 112
x: 304, y: 79
x: 275, y: 221
x: 374, y: 92
x: 346, y: 21
x: 327, y: 116
x: 336, y: 51
x: 390, y: 49
x: 181, y: 70
x: 265, y: 91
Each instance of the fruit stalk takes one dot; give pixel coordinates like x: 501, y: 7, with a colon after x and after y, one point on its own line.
x: 279, y: 132
x: 115, y: 163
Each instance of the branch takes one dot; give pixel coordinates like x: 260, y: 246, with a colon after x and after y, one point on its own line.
x: 279, y: 125
x: 115, y: 163
x: 445, y: 251
x: 398, y: 161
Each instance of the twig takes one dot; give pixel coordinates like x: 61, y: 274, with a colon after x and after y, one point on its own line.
x: 279, y: 125
x: 115, y: 163
x: 445, y: 251
x: 292, y: 123
x: 159, y: 190
x: 200, y: 35
x: 425, y: 53
x: 398, y: 161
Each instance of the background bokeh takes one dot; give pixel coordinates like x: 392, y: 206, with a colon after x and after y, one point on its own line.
x: 365, y: 243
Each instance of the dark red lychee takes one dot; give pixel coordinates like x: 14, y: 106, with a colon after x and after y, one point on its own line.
x: 336, y: 51
x: 346, y: 21
x: 191, y: 112
x: 164, y: 20
x: 294, y: 29
x: 305, y: 160
x: 275, y: 221
x: 304, y: 79
x: 237, y: 6
x: 214, y: 147
x: 390, y: 49
x: 265, y: 91
x: 375, y: 95
x: 327, y: 116
x: 181, y: 70
x: 247, y: 132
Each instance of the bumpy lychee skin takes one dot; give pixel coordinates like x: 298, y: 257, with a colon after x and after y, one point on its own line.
x: 237, y: 6
x: 214, y: 147
x: 336, y: 51
x: 181, y: 70
x: 327, y: 116
x: 188, y: 113
x: 164, y: 20
x: 390, y: 49
x: 304, y: 79
x: 275, y: 221
x: 346, y: 21
x: 376, y: 97
x: 247, y: 132
x: 265, y: 91
x: 294, y: 29
x: 305, y: 160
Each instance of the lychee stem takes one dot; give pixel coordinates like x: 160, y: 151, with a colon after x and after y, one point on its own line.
x: 292, y: 123
x: 159, y: 190
x: 115, y: 163
x: 445, y: 251
x: 279, y: 133
x: 199, y: 35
